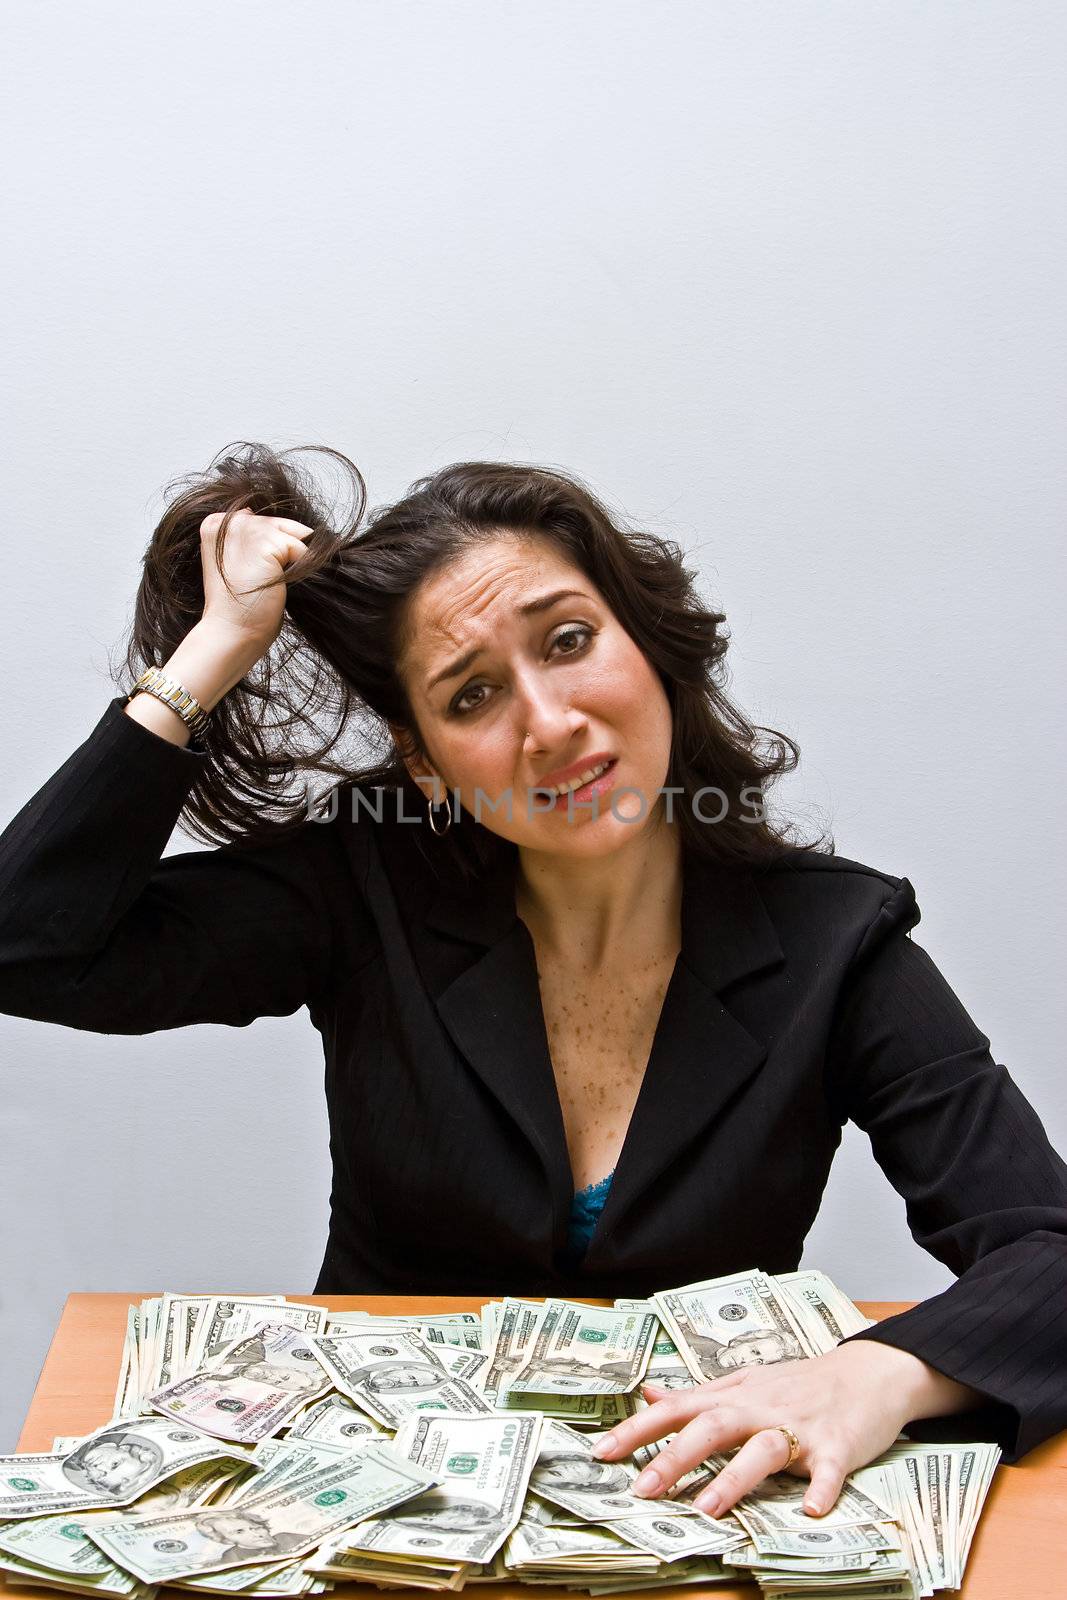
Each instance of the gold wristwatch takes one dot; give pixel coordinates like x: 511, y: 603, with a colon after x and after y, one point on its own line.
x: 192, y: 713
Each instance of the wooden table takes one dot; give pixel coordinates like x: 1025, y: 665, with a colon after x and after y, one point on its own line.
x: 1019, y: 1551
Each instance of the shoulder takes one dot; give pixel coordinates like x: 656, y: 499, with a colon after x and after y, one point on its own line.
x: 816, y: 875
x: 850, y: 902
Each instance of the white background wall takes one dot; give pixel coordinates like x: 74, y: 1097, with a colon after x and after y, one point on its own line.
x: 783, y: 280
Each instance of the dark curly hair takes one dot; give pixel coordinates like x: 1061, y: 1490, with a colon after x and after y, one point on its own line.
x: 332, y: 670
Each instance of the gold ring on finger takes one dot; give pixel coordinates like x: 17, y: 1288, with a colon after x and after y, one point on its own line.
x: 791, y: 1440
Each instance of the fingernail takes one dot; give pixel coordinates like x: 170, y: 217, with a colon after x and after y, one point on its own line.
x: 605, y: 1447
x: 647, y: 1482
x: 814, y: 1508
x: 709, y: 1502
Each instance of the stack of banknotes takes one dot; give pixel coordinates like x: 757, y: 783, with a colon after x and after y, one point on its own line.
x: 264, y: 1447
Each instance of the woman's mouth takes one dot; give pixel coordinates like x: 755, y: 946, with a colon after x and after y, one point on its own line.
x: 594, y: 786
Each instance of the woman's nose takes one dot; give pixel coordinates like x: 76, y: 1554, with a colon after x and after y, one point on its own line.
x: 547, y: 720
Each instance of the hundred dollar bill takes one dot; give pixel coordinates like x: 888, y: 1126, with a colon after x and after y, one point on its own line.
x: 395, y: 1375
x: 585, y: 1349
x: 281, y: 1524
x: 482, y: 1466
x: 462, y: 1362
x: 569, y: 1475
x: 336, y: 1419
x: 109, y: 1467
x: 190, y: 1487
x: 251, y: 1389
x: 732, y: 1322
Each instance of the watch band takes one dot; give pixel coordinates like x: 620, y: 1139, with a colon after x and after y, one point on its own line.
x: 155, y: 682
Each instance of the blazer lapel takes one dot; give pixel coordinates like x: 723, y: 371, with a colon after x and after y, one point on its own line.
x: 483, y: 977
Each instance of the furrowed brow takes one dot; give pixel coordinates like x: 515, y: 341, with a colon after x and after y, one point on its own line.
x: 542, y: 602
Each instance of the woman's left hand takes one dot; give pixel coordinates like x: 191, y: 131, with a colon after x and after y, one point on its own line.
x: 845, y: 1408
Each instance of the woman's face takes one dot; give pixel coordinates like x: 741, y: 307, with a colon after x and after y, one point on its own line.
x: 563, y: 683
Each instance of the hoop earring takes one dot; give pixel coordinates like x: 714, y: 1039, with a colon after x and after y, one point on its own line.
x: 431, y: 808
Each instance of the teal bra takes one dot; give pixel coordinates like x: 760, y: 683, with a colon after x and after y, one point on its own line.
x: 586, y: 1207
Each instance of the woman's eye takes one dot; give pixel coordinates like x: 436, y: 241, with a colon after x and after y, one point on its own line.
x: 457, y: 705
x: 580, y: 631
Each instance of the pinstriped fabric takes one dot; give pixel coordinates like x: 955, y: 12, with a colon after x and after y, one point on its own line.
x: 982, y: 1186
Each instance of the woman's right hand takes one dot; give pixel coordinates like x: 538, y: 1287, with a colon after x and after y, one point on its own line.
x: 257, y: 549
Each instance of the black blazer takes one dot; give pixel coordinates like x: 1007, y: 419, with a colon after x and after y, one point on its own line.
x: 799, y: 1000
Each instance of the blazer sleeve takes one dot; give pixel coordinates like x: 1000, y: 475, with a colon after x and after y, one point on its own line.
x: 984, y: 1190
x: 98, y: 933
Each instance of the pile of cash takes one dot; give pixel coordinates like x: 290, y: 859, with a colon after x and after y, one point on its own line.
x: 263, y: 1447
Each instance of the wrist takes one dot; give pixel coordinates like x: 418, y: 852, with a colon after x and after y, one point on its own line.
x: 211, y: 659
x: 225, y: 641
x: 919, y: 1389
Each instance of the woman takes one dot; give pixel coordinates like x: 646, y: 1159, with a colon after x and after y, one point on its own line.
x: 641, y: 978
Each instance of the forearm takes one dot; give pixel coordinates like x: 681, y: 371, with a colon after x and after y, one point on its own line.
x: 209, y: 662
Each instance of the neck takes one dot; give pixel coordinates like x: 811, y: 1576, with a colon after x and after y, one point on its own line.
x: 590, y: 912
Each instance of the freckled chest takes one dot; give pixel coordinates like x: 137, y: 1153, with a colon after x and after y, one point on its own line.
x: 600, y: 1032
